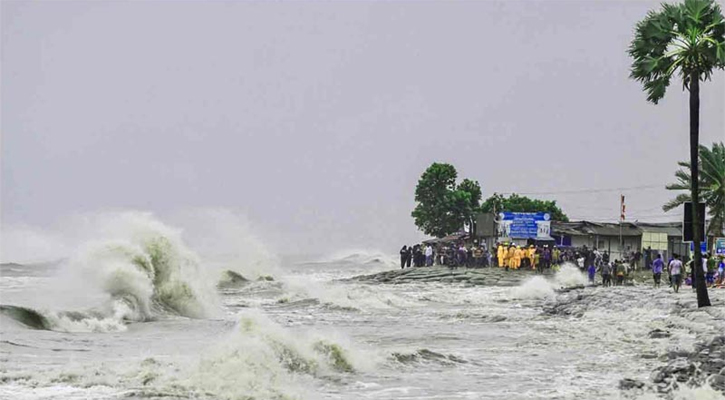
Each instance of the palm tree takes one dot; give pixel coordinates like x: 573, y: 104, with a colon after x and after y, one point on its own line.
x: 712, y: 182
x: 687, y: 39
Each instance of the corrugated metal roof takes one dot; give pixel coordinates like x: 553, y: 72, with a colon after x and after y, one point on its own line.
x: 448, y: 239
x: 629, y: 229
x: 588, y: 228
x: 670, y: 228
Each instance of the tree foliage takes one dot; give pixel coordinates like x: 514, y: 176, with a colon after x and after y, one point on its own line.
x: 442, y: 206
x: 686, y: 39
x: 517, y: 203
x: 712, y: 185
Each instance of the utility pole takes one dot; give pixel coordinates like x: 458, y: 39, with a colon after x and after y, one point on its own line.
x: 621, y: 219
x: 495, y: 228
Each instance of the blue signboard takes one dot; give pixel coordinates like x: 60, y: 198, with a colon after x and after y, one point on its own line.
x: 703, y: 247
x: 525, y: 225
x: 720, y: 246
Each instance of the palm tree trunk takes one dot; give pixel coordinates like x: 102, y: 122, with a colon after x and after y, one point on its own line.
x: 703, y: 299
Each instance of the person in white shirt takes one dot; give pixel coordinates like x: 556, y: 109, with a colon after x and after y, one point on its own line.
x: 675, y: 269
x: 428, y: 255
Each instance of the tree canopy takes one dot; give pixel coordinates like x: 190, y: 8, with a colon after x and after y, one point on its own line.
x: 517, y: 203
x: 712, y: 184
x: 442, y: 206
x: 686, y: 38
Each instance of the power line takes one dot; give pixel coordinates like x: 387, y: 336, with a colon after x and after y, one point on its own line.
x: 585, y: 191
x: 616, y: 217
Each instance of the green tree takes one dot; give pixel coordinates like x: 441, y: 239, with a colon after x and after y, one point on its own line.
x: 517, y: 203
x: 712, y: 182
x: 442, y: 206
x: 467, y: 203
x: 687, y: 39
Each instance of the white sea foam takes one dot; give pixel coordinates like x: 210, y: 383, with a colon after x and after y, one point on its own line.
x: 368, y: 258
x: 227, y: 240
x: 505, y: 347
x: 569, y: 275
x: 536, y: 287
x: 356, y: 296
x: 261, y: 359
x: 539, y: 287
x: 705, y: 392
x: 134, y: 268
x: 147, y: 263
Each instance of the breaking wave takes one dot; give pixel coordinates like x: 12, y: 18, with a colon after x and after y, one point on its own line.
x: 70, y: 321
x: 147, y: 264
x: 427, y: 356
x: 261, y: 359
x: 540, y: 287
x: 139, y: 270
x: 227, y: 242
x: 361, y: 258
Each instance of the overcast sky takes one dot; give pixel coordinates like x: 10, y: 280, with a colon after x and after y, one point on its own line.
x: 316, y: 119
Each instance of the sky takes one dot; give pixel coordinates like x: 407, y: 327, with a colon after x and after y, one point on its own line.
x: 314, y: 120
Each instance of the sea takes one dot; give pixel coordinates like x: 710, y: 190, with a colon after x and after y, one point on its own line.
x: 139, y: 313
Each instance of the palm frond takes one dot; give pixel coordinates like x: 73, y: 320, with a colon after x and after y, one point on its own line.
x: 676, y: 202
x: 712, y: 181
x: 683, y: 39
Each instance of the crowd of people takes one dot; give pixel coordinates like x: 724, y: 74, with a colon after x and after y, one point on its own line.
x: 452, y: 255
x: 613, y: 272
x: 713, y: 268
x: 504, y: 255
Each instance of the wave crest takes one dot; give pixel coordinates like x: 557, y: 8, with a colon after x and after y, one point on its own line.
x: 539, y: 287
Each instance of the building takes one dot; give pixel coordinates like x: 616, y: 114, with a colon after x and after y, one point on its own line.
x: 620, y: 239
x: 617, y: 239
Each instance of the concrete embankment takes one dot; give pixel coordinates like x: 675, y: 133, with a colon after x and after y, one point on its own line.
x: 472, y: 276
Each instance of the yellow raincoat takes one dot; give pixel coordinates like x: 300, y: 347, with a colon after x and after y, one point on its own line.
x: 518, y: 255
x: 532, y: 258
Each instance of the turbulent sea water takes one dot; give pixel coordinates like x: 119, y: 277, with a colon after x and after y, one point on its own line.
x: 142, y: 316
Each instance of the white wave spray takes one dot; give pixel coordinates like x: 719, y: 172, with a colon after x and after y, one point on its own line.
x: 136, y: 268
x: 539, y: 287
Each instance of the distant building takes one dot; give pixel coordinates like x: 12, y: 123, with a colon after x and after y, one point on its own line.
x: 664, y: 238
x: 619, y: 239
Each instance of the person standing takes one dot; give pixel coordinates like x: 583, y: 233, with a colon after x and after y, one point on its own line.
x: 619, y: 270
x: 403, y: 256
x: 510, y: 257
x: 546, y: 257
x: 648, y: 261
x: 589, y: 257
x: 606, y: 271
x: 597, y: 258
x: 518, y: 255
x: 675, y: 269
x: 657, y: 267
x: 417, y: 256
x: 500, y: 255
x: 592, y: 271
x: 530, y: 255
x: 428, y: 255
x: 409, y: 257
x: 478, y: 256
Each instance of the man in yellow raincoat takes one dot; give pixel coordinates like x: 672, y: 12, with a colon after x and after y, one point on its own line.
x: 501, y: 255
x: 510, y: 256
x: 532, y: 259
x: 518, y: 255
